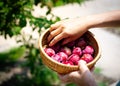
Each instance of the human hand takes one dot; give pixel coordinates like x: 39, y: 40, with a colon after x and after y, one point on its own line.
x: 71, y: 29
x: 68, y: 30
x: 83, y: 77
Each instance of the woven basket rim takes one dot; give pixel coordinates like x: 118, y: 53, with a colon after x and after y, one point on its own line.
x: 99, y: 50
x: 71, y: 66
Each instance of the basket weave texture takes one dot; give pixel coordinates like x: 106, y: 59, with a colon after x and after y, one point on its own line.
x: 62, y: 68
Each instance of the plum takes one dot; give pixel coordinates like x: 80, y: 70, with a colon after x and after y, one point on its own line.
x: 63, y: 56
x: 56, y: 57
x: 88, y: 50
x: 71, y: 44
x: 49, y: 51
x: 74, y: 58
x: 81, y: 43
x: 87, y: 57
x: 77, y: 50
x: 66, y: 50
x: 68, y: 62
x: 56, y: 47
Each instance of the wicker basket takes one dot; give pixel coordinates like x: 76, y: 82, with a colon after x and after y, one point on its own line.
x: 62, y: 68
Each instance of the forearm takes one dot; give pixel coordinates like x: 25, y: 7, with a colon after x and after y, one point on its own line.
x: 109, y: 19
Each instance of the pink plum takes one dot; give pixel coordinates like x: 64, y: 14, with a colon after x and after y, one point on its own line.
x: 63, y: 56
x: 66, y: 50
x: 68, y: 63
x: 74, y: 58
x: 87, y: 57
x: 81, y: 43
x: 71, y: 44
x: 56, y: 47
x: 88, y: 50
x: 49, y: 51
x: 56, y: 57
x: 77, y: 50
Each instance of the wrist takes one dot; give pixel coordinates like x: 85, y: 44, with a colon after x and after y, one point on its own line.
x: 84, y: 23
x: 94, y: 21
x: 88, y: 22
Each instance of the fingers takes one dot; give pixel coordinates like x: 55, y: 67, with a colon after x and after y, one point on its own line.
x: 54, y: 33
x: 70, y: 77
x: 57, y: 38
x: 68, y: 39
x: 82, y: 66
x: 64, y: 78
x: 54, y: 26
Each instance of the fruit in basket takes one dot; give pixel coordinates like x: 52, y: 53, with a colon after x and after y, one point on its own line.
x: 56, y: 47
x: 68, y: 62
x: 66, y: 50
x: 49, y: 51
x: 88, y: 50
x: 77, y: 50
x: 71, y: 44
x: 72, y: 52
x: 67, y: 66
x: 56, y: 57
x: 87, y: 57
x: 81, y: 43
x: 74, y: 58
x: 63, y: 56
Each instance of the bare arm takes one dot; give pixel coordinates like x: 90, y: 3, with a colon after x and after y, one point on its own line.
x: 72, y: 29
x: 109, y: 19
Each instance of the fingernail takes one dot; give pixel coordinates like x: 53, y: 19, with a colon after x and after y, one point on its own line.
x: 50, y: 44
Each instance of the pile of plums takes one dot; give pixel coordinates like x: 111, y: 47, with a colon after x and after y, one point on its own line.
x: 71, y: 52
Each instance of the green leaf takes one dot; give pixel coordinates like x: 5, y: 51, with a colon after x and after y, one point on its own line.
x: 97, y: 70
x: 23, y: 21
x: 1, y: 4
x: 16, y: 30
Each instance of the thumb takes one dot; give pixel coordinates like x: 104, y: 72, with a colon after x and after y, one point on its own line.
x: 82, y: 66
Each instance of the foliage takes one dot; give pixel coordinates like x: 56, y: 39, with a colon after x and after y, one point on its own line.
x: 97, y: 70
x: 13, y: 16
x: 12, y: 55
x: 102, y: 84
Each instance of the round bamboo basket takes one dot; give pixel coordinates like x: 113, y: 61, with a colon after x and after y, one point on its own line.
x: 62, y: 68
